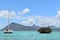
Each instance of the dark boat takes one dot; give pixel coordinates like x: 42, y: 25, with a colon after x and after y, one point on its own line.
x: 45, y: 30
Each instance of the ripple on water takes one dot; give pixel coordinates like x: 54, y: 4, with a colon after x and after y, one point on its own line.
x: 30, y: 35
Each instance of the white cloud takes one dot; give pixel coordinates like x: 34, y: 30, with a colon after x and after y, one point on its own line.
x: 24, y: 11
x: 30, y: 20
x: 39, y: 20
x: 4, y: 14
x: 12, y: 14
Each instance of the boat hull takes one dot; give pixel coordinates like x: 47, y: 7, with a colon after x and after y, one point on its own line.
x: 7, y: 32
x: 45, y: 32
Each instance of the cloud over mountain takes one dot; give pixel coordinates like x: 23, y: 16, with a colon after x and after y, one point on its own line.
x: 30, y: 20
x: 39, y: 20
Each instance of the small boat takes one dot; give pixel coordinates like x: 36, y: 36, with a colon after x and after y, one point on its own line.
x: 8, y: 30
x: 45, y: 30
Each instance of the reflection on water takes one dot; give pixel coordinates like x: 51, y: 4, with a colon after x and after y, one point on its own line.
x: 30, y: 35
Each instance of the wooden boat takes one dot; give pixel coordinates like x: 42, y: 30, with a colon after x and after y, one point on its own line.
x: 45, y: 30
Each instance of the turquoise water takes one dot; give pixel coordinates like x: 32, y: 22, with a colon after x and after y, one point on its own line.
x: 30, y: 35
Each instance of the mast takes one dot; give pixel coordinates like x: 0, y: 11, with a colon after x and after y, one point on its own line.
x: 8, y: 20
x: 8, y: 29
x: 42, y: 25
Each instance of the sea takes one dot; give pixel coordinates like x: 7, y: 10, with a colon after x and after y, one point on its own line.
x: 30, y: 35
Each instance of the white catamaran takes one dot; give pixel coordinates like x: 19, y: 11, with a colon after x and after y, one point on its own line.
x: 8, y: 30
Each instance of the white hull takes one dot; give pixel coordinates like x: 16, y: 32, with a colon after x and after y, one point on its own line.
x: 8, y: 31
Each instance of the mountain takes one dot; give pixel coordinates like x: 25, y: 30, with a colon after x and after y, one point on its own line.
x: 19, y: 27
x: 36, y: 26
x: 53, y: 27
x: 58, y: 28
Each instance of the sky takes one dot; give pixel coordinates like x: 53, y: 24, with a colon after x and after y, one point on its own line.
x: 29, y: 12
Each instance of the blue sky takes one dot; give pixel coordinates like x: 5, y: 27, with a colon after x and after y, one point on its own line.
x: 29, y: 11
x: 37, y: 7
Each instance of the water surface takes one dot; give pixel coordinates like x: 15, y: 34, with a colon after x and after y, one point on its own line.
x: 30, y: 35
